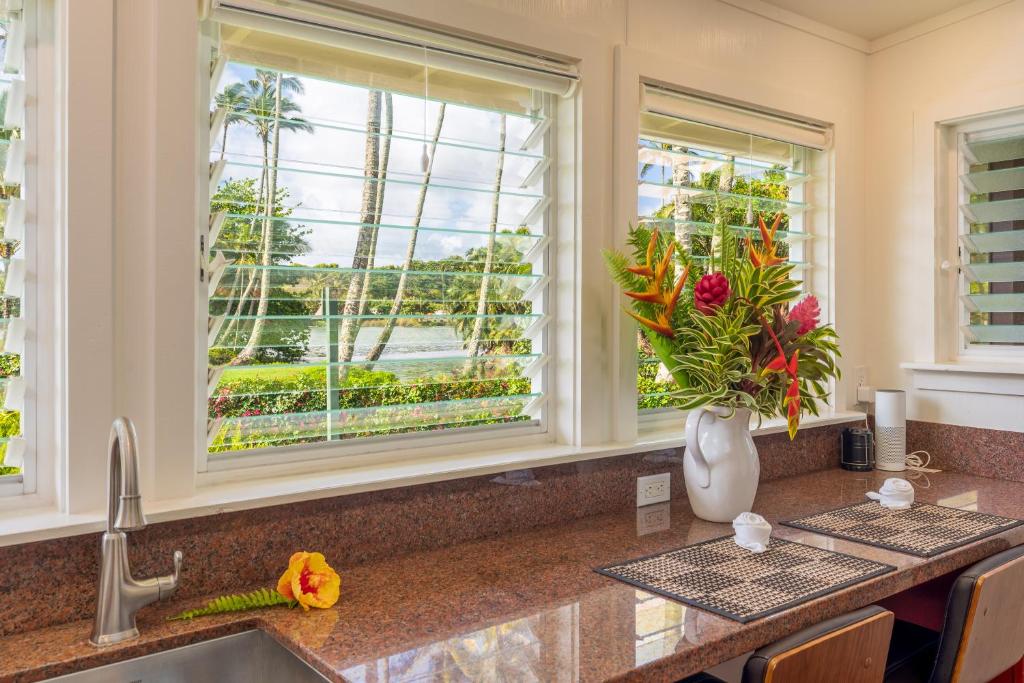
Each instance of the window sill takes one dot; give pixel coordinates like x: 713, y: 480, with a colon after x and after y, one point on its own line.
x: 231, y: 496
x: 975, y: 377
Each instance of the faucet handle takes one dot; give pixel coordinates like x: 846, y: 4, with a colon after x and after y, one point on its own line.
x: 169, y: 584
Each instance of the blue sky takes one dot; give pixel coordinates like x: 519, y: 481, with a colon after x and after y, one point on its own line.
x: 335, y: 151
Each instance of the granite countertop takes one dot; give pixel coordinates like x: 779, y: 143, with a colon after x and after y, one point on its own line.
x: 527, y: 605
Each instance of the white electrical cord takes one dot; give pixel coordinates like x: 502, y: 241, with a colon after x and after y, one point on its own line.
x: 915, y: 462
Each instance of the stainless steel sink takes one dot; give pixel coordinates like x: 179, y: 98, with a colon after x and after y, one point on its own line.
x: 250, y: 656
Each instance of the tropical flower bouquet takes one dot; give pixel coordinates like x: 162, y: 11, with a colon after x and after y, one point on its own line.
x: 730, y: 330
x: 307, y: 582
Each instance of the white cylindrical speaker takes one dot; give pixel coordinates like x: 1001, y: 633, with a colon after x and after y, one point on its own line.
x: 890, y: 430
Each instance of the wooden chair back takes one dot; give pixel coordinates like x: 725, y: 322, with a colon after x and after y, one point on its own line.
x: 983, y: 634
x: 852, y: 648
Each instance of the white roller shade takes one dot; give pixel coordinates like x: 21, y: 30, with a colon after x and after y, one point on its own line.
x: 336, y: 28
x: 656, y: 100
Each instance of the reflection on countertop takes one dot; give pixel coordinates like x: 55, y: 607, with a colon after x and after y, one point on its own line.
x: 526, y: 606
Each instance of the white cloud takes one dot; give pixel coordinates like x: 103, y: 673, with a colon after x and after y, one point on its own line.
x: 336, y: 153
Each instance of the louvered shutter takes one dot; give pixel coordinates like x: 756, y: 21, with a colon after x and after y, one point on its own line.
x: 406, y: 207
x: 992, y: 239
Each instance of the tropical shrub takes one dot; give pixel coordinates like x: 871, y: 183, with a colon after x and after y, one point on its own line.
x: 293, y: 404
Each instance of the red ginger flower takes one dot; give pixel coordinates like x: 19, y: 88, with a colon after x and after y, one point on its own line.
x: 807, y: 313
x: 710, y: 293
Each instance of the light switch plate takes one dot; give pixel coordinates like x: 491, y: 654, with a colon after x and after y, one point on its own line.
x: 653, y: 489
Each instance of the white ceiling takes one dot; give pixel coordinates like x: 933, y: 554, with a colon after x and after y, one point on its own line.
x: 869, y: 19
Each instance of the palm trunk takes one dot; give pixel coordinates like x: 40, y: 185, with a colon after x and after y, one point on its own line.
x: 485, y: 281
x: 371, y: 164
x: 243, y: 297
x: 268, y: 238
x: 389, y: 127
x: 224, y: 140
x: 681, y: 176
x: 410, y: 249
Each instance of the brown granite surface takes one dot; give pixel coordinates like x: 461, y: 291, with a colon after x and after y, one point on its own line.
x: 526, y: 605
x: 226, y: 550
x: 986, y: 452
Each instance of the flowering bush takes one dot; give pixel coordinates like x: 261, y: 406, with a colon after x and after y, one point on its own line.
x: 733, y: 340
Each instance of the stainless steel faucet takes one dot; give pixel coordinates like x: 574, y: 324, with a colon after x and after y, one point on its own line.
x: 119, y: 596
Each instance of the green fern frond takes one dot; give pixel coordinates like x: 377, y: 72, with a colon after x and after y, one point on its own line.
x: 238, y: 602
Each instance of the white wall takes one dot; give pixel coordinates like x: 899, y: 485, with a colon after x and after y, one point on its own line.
x: 744, y: 48
x: 979, y: 59
x: 154, y: 80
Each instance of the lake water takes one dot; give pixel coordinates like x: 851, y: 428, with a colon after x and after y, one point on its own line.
x: 405, y: 342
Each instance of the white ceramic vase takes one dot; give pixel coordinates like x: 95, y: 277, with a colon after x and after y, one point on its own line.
x: 720, y: 465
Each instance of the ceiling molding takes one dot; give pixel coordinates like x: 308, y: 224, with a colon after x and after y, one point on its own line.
x: 921, y: 28
x: 802, y: 23
x: 855, y: 42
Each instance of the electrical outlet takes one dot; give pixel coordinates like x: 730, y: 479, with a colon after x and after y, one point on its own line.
x: 653, y: 489
x: 653, y: 518
x: 862, y: 375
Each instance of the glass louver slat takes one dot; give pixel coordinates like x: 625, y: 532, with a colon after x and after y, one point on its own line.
x: 998, y: 180
x: 238, y: 433
x: 396, y: 135
x: 1012, y: 271
x: 994, y: 334
x: 994, y: 303
x: 653, y: 156
x: 503, y: 232
x: 994, y: 150
x: 994, y: 211
x: 284, y: 171
x: 700, y: 195
x: 702, y: 228
x: 993, y: 242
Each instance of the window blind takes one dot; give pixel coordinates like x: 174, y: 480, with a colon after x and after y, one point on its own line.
x: 13, y: 267
x: 686, y: 165
x: 993, y: 239
x: 377, y: 247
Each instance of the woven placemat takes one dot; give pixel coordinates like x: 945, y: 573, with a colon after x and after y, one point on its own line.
x: 923, y: 530
x: 720, y: 577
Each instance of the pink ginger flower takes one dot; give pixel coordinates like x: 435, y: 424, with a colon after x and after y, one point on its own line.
x: 807, y: 313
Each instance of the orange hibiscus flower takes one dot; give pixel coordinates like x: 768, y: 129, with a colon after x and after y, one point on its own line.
x: 310, y: 581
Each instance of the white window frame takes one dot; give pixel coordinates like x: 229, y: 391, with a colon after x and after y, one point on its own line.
x: 635, y: 69
x: 994, y: 125
x: 156, y: 366
x: 362, y: 451
x: 41, y: 252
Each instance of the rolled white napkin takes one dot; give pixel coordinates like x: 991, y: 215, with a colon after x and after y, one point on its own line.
x: 752, y: 532
x: 895, y: 494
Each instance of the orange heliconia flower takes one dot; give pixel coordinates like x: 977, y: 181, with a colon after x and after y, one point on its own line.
x: 767, y: 256
x: 656, y: 292
x: 647, y: 270
x: 310, y: 581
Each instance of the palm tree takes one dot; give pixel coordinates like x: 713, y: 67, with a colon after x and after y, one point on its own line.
x: 368, y: 210
x: 382, y: 173
x: 235, y: 103
x: 268, y: 86
x: 410, y: 249
x: 481, y: 305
